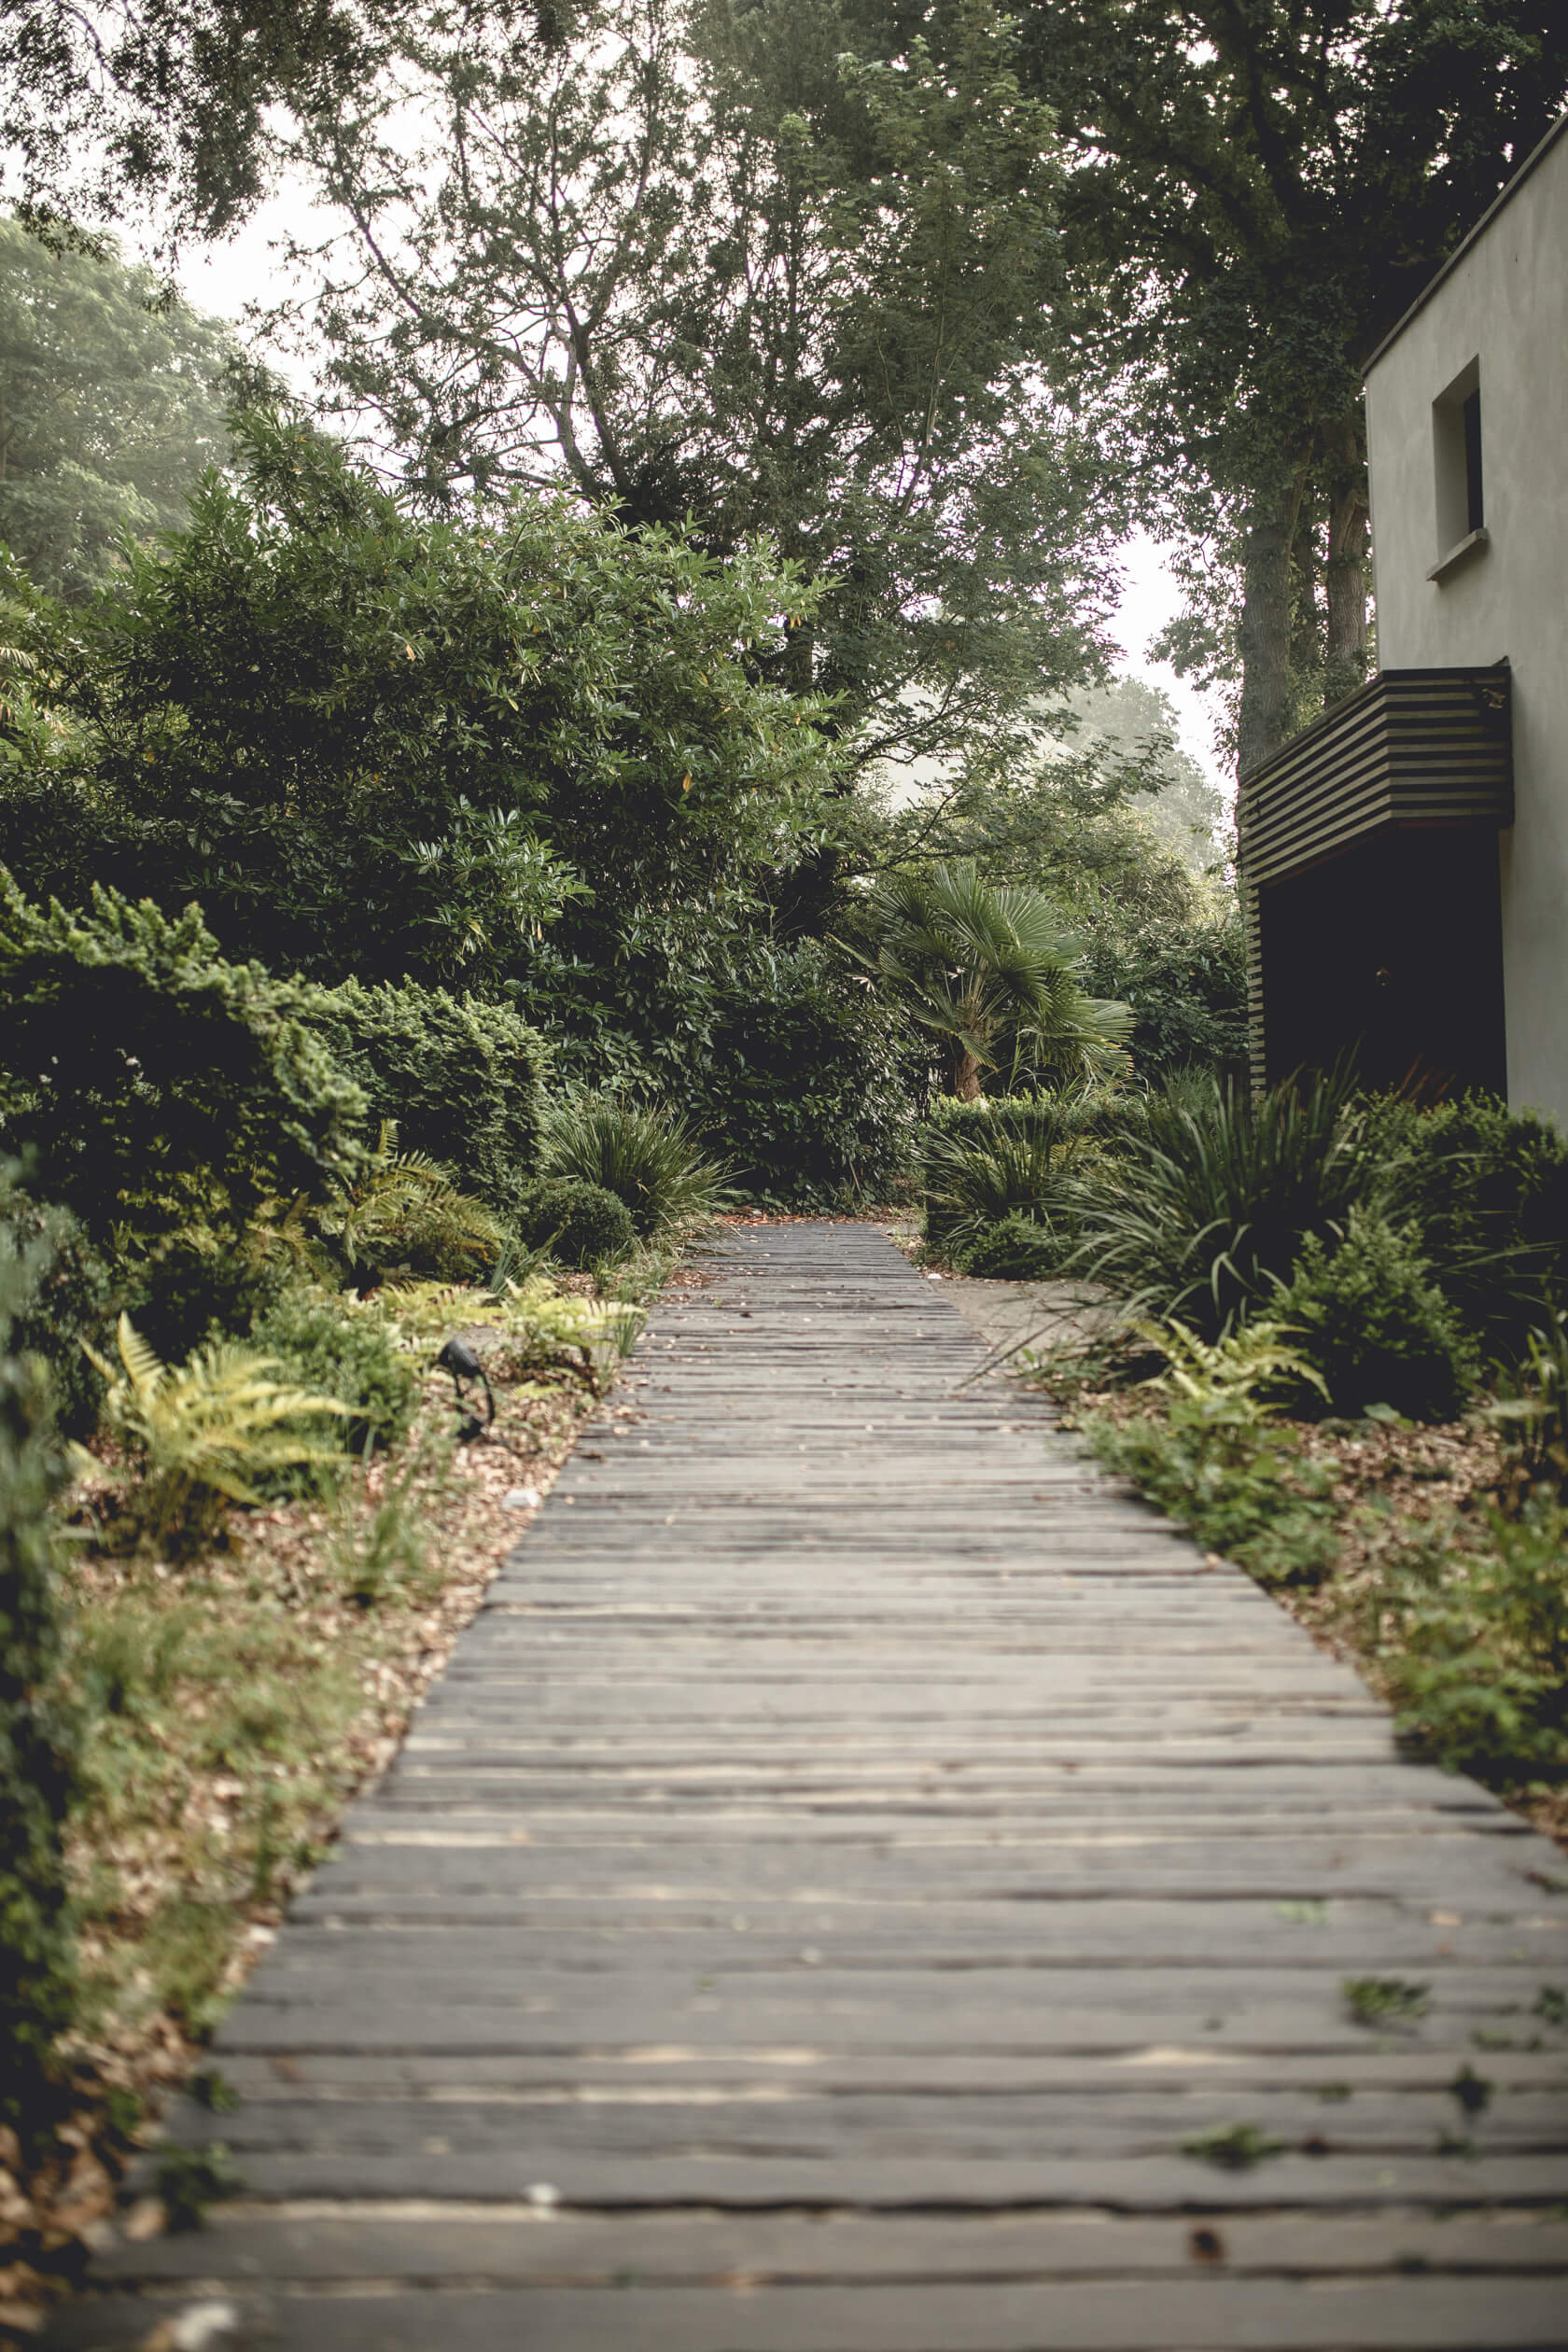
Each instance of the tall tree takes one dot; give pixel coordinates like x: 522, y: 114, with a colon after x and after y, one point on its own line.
x: 1262, y: 187
x: 166, y: 103
x: 718, y: 265
x: 110, y: 409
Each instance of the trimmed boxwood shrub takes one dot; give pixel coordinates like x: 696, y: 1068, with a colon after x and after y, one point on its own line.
x: 36, y: 1738
x: 583, y: 1223
x: 459, y: 1078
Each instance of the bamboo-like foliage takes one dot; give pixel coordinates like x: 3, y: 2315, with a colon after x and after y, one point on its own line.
x: 207, y: 1431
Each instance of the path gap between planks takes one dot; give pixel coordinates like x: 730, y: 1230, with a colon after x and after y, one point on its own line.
x: 854, y: 1848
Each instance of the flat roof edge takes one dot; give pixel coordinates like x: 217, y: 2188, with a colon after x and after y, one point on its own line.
x: 1504, y: 196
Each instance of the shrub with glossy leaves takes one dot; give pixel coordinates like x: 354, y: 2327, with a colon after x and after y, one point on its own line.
x: 808, y: 1083
x: 580, y: 1224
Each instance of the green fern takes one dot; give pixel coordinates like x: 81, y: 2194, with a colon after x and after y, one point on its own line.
x: 1226, y: 1379
x: 206, y: 1432
x: 404, y: 1208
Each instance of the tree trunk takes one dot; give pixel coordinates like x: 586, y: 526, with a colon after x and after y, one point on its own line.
x: 1347, y: 569
x: 1264, y: 634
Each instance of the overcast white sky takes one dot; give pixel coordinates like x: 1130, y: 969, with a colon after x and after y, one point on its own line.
x: 222, y: 279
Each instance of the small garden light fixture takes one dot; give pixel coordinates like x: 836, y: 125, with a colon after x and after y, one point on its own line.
x: 459, y: 1359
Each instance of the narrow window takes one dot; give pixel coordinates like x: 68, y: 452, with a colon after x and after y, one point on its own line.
x: 1472, y: 414
x: 1456, y: 452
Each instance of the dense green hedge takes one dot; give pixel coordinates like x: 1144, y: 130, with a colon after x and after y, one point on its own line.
x: 154, y: 1082
x: 461, y: 1078
x: 36, y: 1742
x: 807, y: 1085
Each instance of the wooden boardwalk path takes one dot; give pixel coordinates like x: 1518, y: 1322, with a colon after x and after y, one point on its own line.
x: 853, y: 1851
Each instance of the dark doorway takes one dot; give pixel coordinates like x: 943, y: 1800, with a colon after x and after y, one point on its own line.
x: 1393, y: 949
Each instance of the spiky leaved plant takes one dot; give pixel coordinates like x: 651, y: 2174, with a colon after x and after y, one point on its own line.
x: 1207, y: 1217
x: 206, y: 1432
x: 650, y: 1158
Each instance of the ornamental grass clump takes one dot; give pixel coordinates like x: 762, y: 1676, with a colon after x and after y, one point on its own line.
x: 1212, y: 1212
x: 651, y: 1158
x: 975, y: 1184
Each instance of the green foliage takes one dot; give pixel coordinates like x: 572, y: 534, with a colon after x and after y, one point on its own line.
x: 1017, y: 1248
x: 208, y: 1434
x: 157, y: 1083
x: 992, y: 973
x: 1225, y: 1383
x: 72, y: 1299
x: 1474, y: 1644
x: 349, y: 1354
x: 807, y: 1080
x: 1246, y: 1492
x: 1383, y: 2001
x: 379, y: 1550
x: 1535, y: 1414
x: 1487, y: 1189
x: 1250, y: 212
x: 195, y: 1285
x: 189, y: 2179
x: 972, y: 1181
x: 582, y: 1224
x: 36, y: 1736
x: 402, y: 1211
x: 651, y: 1158
x: 1185, y: 977
x: 809, y: 269
x: 1232, y: 2146
x: 460, y: 1077
x: 1221, y: 1196
x: 1374, y: 1324
x: 461, y: 750
x: 112, y: 403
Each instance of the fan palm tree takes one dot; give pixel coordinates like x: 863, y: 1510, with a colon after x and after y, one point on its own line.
x: 992, y: 974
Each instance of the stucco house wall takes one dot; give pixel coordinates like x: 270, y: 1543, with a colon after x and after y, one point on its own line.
x: 1503, y: 306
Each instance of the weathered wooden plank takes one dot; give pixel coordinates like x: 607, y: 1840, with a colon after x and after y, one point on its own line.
x: 420, y: 2241
x: 1186, y: 2314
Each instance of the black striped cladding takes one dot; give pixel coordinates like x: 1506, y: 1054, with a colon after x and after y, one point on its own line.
x: 1417, y: 747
